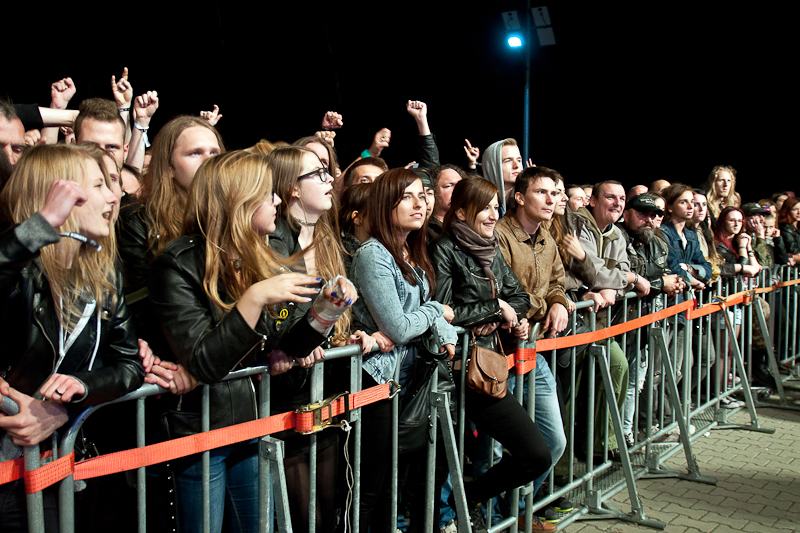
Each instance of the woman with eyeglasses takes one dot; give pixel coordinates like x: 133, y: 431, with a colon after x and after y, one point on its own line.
x: 735, y: 245
x: 307, y: 236
x: 219, y: 293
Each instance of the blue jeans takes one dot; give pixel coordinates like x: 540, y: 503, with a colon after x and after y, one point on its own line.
x: 547, y: 415
x: 233, y: 473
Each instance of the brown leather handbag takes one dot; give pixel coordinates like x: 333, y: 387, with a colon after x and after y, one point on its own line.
x: 488, y: 370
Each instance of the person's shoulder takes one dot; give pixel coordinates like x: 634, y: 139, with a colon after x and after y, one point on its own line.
x: 183, y: 248
x: 370, y: 250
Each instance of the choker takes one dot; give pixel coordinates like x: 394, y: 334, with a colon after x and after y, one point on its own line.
x: 304, y: 223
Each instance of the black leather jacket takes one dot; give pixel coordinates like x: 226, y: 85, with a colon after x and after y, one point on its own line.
x: 647, y: 259
x: 210, y: 344
x: 30, y: 327
x: 462, y: 284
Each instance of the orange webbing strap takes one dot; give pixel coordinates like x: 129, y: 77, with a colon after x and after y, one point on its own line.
x: 15, y: 469
x: 788, y: 283
x: 49, y: 474
x: 721, y: 303
x: 305, y: 421
x: 112, y: 463
x: 613, y: 331
x: 525, y: 360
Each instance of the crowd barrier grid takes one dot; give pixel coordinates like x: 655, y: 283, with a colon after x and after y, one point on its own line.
x: 687, y: 386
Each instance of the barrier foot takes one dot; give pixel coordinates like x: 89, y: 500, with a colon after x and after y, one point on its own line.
x: 773, y: 367
x: 272, y: 449
x: 594, y: 499
x: 659, y: 335
x: 606, y: 511
x: 441, y: 400
x: 748, y: 395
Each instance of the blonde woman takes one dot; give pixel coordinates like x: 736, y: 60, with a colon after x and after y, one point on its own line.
x: 217, y: 293
x: 68, y: 339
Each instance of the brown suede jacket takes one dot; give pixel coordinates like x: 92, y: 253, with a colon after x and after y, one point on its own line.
x: 537, y: 265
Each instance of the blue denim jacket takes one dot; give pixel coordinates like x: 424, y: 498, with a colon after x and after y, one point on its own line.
x: 390, y: 304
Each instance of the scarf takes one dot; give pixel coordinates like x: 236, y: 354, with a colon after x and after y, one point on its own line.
x: 480, y: 248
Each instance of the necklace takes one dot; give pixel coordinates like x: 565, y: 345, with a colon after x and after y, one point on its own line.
x: 304, y: 223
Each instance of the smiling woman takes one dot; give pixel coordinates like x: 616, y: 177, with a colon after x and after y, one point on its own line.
x: 475, y: 280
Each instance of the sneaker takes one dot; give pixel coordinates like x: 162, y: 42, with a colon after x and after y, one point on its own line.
x: 729, y: 403
x: 562, y: 505
x: 536, y: 525
x: 629, y: 439
x: 476, y: 520
x: 548, y: 514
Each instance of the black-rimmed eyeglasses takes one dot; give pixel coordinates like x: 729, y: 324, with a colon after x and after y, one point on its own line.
x: 321, y: 174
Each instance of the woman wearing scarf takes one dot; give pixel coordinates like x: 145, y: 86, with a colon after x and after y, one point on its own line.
x: 474, y: 279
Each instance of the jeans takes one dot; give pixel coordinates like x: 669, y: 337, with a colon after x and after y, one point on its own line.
x: 233, y: 474
x: 548, y: 415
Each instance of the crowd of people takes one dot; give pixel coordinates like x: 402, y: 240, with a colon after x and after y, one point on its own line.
x: 175, y: 263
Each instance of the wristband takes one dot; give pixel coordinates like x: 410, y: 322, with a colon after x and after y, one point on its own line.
x: 124, y: 109
x: 142, y: 128
x: 636, y: 278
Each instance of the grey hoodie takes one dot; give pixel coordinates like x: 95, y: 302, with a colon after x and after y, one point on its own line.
x: 492, y: 164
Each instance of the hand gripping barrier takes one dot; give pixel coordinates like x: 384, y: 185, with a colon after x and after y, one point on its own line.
x: 588, y: 481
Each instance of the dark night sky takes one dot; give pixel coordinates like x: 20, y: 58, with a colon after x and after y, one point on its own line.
x: 632, y: 93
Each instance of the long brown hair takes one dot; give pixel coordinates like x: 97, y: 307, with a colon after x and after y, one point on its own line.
x: 386, y: 194
x: 226, y: 192
x: 471, y: 195
x: 164, y: 205
x: 785, y: 215
x: 286, y: 163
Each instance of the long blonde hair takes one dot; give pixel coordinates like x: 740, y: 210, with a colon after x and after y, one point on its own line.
x: 90, y: 274
x: 286, y: 164
x: 226, y: 192
x: 164, y: 204
x: 715, y: 202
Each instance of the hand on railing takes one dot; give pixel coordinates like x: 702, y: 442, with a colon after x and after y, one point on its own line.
x: 37, y: 419
x: 359, y: 337
x: 556, y: 320
x: 384, y: 343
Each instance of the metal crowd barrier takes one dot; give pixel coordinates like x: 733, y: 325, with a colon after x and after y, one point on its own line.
x: 684, y: 385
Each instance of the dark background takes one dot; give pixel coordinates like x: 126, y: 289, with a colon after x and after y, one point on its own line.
x: 629, y: 92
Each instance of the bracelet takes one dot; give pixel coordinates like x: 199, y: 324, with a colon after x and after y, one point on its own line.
x: 636, y: 278
x: 123, y: 109
x: 142, y: 128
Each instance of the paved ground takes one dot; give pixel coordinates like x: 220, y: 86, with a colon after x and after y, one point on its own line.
x: 758, y: 488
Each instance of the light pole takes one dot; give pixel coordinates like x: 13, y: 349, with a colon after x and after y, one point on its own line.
x: 539, y: 16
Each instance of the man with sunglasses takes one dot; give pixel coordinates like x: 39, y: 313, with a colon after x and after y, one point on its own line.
x: 647, y: 252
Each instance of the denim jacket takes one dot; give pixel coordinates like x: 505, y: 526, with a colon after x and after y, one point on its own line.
x: 390, y: 304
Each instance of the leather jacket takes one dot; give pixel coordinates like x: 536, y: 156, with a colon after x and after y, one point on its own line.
x: 30, y: 327
x: 210, y: 344
x: 462, y: 284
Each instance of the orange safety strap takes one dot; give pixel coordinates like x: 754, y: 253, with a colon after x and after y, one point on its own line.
x: 305, y: 421
x: 788, y: 283
x: 112, y: 463
x: 613, y: 331
x: 49, y: 474
x: 525, y: 360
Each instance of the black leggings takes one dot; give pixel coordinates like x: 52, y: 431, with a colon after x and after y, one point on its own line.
x: 506, y: 421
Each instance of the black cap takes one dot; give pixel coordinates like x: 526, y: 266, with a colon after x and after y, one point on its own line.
x: 752, y: 208
x: 644, y: 204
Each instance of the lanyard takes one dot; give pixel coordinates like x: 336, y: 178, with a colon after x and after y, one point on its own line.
x: 65, y: 344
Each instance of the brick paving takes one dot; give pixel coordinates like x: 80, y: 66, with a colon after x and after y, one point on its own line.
x: 758, y: 483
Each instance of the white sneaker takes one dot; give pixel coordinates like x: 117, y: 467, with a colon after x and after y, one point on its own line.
x: 729, y: 403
